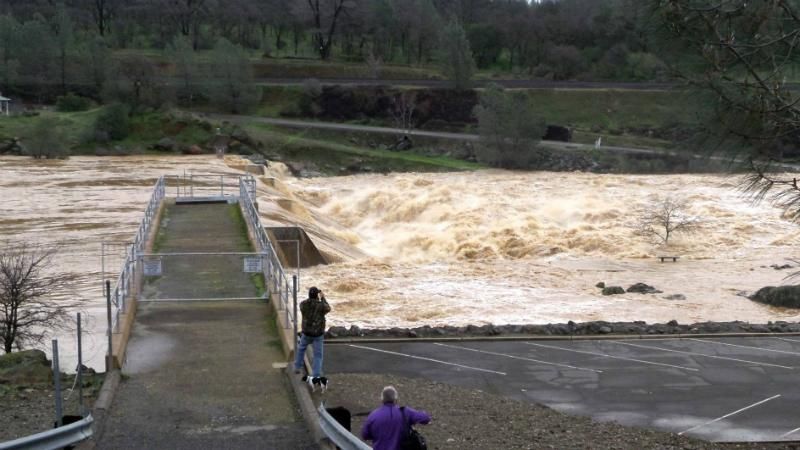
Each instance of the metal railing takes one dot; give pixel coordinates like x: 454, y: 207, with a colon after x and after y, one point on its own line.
x: 52, y: 439
x: 204, y: 185
x: 337, y: 433
x: 123, y: 288
x: 274, y: 275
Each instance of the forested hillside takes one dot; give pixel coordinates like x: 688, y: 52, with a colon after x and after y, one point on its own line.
x: 88, y: 42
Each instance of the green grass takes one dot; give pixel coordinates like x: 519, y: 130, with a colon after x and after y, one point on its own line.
x: 258, y: 282
x: 74, y: 125
x: 78, y: 130
x: 621, y: 117
x: 161, y: 234
x: 611, y: 110
x: 277, y: 99
x: 149, y: 128
x: 333, y: 153
x: 235, y: 214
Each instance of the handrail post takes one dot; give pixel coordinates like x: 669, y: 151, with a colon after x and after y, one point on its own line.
x: 109, y: 356
x: 294, y: 316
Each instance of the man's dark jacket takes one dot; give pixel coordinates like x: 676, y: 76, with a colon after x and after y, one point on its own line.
x: 314, y: 311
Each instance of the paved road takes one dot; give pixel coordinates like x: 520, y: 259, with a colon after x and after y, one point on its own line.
x: 513, y: 84
x: 563, y: 146
x: 721, y: 389
x: 201, y: 375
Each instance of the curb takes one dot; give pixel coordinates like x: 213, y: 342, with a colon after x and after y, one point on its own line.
x: 308, y: 410
x: 101, y: 406
x: 582, y: 337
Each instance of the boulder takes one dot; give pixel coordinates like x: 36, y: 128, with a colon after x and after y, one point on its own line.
x: 641, y: 288
x: 25, y: 367
x: 613, y: 290
x: 600, y: 285
x: 787, y: 296
x: 675, y: 297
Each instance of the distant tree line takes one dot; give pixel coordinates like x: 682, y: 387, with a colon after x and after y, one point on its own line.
x: 564, y: 39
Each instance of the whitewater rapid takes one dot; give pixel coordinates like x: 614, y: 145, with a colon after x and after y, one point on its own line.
x: 442, y: 248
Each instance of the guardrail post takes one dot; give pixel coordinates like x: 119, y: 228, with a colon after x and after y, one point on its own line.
x: 79, y: 374
x: 57, y: 379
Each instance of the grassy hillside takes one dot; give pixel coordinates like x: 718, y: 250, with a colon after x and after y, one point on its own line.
x: 622, y: 117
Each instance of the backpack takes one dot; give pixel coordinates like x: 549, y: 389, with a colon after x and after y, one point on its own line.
x: 411, y: 439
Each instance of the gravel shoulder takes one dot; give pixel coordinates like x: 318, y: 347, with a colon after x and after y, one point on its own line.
x: 27, y: 409
x: 467, y: 419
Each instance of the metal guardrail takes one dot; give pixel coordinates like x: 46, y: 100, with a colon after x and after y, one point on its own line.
x: 274, y: 274
x: 123, y: 288
x: 338, y: 434
x: 52, y: 439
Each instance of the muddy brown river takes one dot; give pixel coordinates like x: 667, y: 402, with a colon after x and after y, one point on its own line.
x: 456, y: 248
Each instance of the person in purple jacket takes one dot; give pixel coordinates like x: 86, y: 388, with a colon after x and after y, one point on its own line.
x: 385, y: 426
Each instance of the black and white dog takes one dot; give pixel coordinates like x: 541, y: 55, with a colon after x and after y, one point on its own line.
x: 314, y: 382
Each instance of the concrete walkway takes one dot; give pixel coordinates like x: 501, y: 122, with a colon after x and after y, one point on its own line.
x: 204, y: 375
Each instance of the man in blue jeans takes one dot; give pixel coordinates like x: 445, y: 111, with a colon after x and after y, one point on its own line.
x: 314, y: 309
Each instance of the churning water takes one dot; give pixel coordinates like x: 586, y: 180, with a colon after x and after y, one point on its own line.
x: 457, y: 248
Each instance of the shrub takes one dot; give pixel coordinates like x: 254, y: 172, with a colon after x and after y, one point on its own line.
x: 114, y: 122
x: 72, y: 103
x: 46, y: 140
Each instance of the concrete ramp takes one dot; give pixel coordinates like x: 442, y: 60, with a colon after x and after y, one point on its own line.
x: 286, y: 239
x: 204, y: 374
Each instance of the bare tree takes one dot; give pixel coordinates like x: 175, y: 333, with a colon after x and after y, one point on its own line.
x: 405, y: 103
x: 102, y: 12
x: 375, y: 63
x: 27, y: 310
x: 741, y: 54
x: 665, y: 217
x: 324, y: 15
x: 134, y: 82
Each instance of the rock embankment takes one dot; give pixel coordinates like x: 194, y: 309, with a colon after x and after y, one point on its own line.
x: 563, y: 329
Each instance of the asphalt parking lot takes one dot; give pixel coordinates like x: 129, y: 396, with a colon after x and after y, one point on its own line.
x: 718, y: 389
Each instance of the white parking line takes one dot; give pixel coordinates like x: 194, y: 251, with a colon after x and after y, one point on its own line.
x: 729, y: 414
x: 744, y: 346
x: 518, y: 357
x: 426, y: 359
x: 612, y: 356
x: 791, y: 432
x: 701, y: 354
